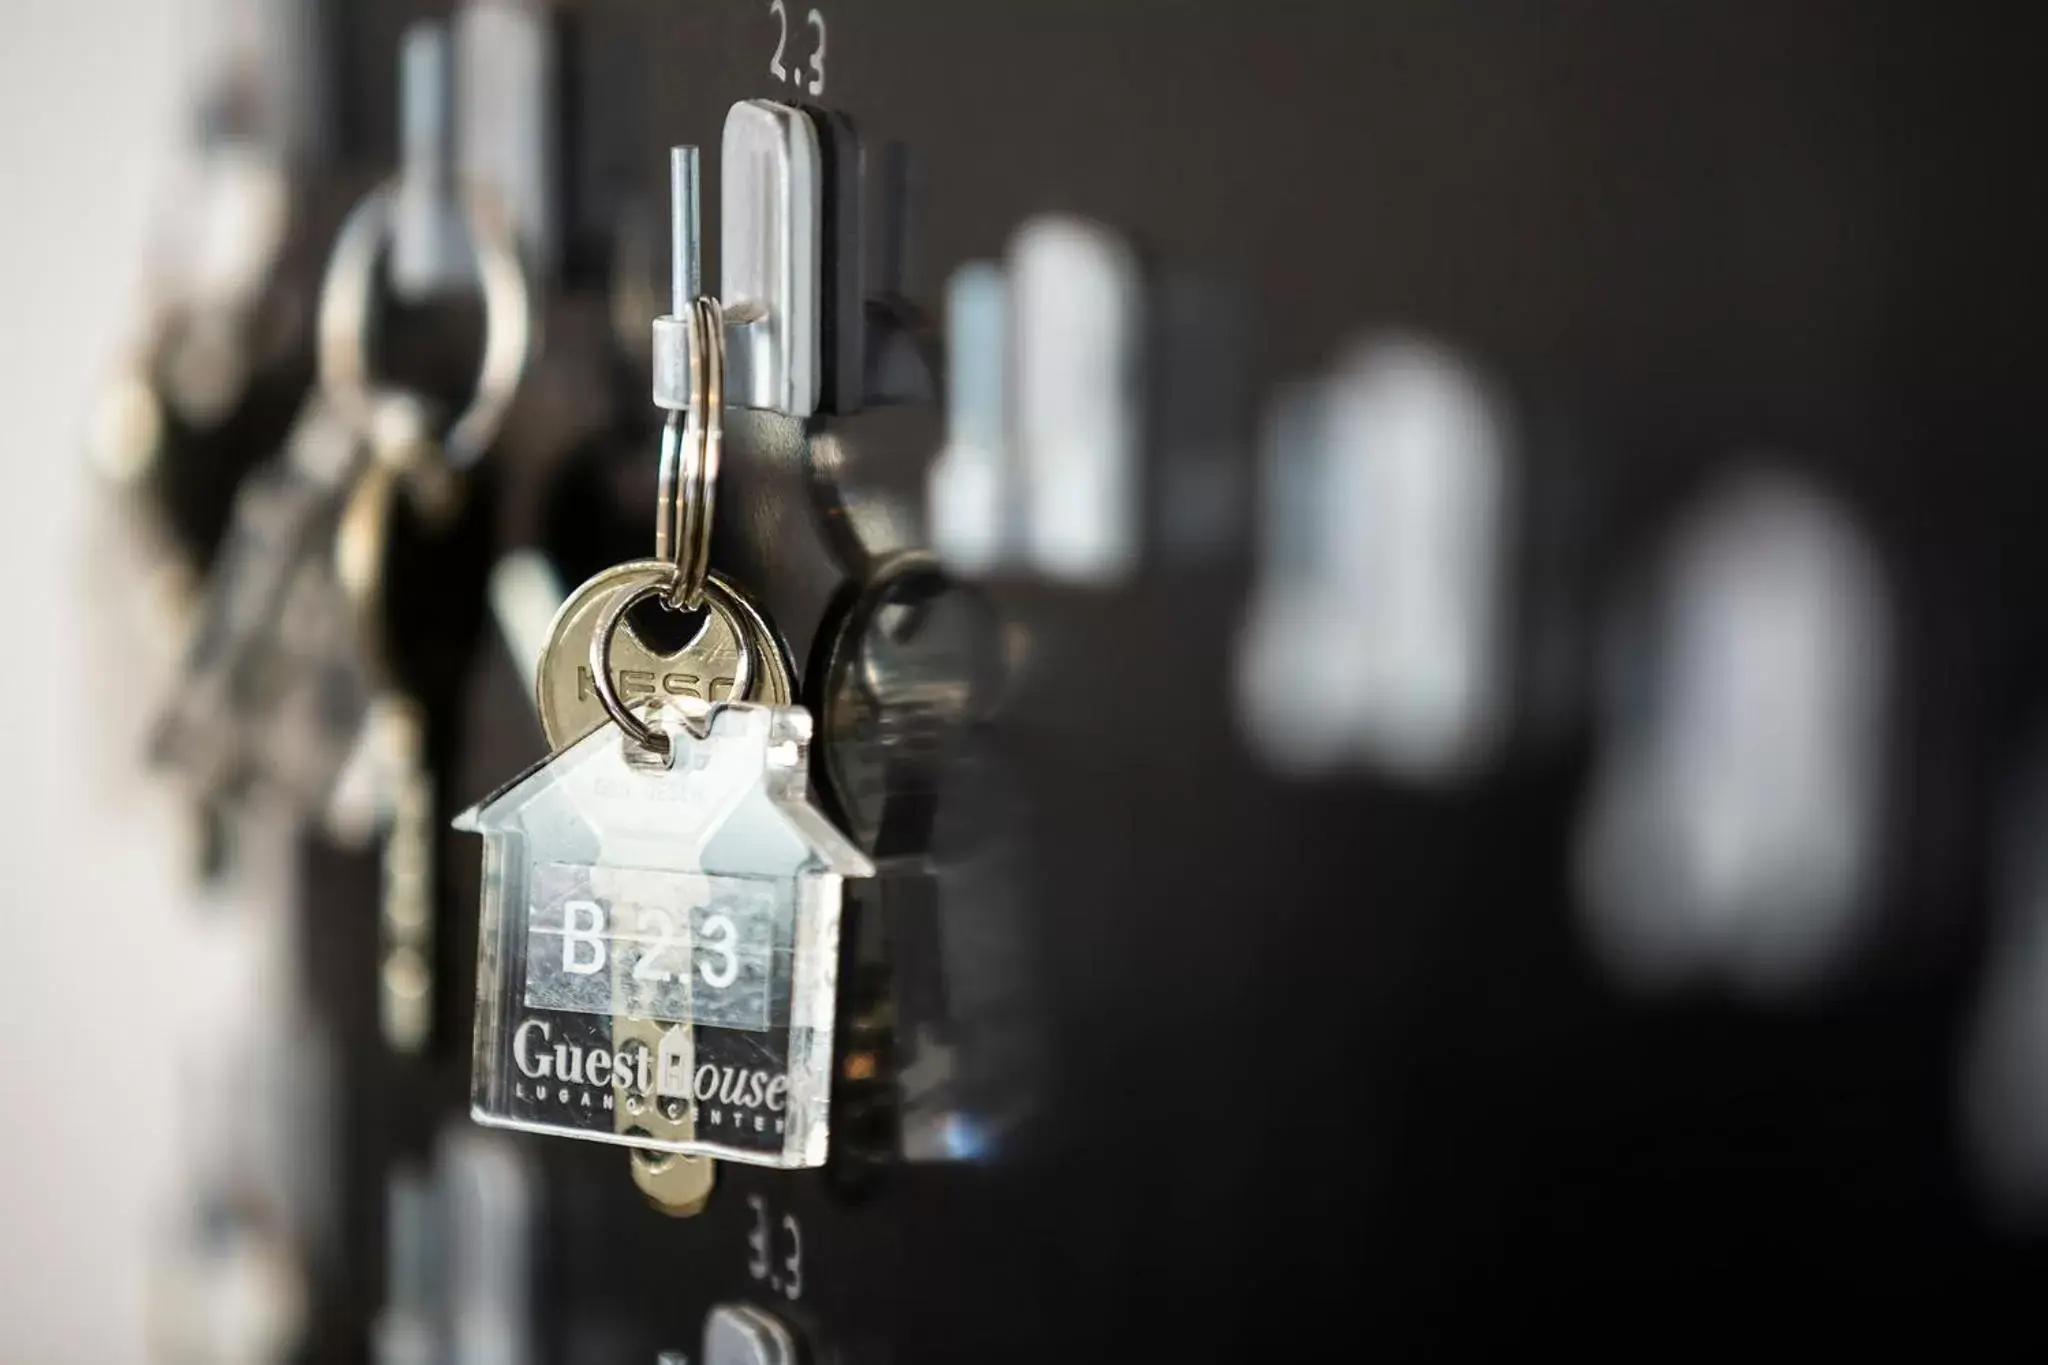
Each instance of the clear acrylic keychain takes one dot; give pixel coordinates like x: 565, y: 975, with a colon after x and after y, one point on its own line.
x: 702, y: 895
x: 658, y: 950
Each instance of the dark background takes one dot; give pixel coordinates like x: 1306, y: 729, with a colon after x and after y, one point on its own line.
x: 1290, y: 1066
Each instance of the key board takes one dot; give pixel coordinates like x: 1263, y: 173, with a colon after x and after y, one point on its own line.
x: 1357, y: 677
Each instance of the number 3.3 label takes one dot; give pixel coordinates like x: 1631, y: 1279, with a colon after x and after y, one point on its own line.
x: 777, y: 1260
x: 810, y: 77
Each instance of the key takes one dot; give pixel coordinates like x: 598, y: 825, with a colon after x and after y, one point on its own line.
x: 399, y: 794
x: 704, y: 670
x: 397, y: 739
x: 420, y: 460
x: 178, y: 465
x: 220, y: 377
x: 271, y: 692
x: 658, y: 938
x: 276, y: 687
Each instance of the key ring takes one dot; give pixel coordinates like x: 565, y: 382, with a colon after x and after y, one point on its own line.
x: 350, y: 286
x: 362, y: 535
x: 649, y: 577
x: 691, y: 444
x: 682, y: 457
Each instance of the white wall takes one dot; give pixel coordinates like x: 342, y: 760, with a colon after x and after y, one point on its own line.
x: 94, y: 926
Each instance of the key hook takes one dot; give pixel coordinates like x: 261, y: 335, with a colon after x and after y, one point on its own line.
x: 693, y: 392
x: 349, y: 290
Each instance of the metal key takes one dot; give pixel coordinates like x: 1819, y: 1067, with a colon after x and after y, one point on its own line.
x: 701, y: 671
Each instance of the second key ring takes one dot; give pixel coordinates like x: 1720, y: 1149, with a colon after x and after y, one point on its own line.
x: 348, y: 294
x: 691, y: 445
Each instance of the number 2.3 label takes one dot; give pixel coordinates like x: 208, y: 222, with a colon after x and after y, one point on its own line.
x: 778, y: 1260
x: 810, y: 77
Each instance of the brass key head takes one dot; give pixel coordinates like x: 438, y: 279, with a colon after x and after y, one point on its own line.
x: 701, y: 671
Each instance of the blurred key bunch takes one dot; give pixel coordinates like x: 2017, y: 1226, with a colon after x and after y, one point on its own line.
x: 1565, y: 657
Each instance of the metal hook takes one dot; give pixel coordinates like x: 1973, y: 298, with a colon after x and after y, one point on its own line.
x: 429, y: 256
x: 385, y: 218
x: 689, y: 381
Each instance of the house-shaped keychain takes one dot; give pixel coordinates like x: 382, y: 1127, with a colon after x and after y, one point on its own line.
x: 658, y: 953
